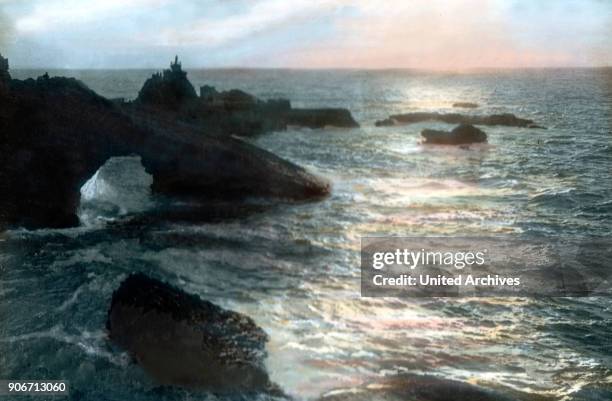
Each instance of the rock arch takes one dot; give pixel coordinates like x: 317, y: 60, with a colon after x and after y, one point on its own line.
x: 56, y: 133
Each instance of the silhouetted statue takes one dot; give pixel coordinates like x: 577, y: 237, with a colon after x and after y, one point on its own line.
x: 176, y: 66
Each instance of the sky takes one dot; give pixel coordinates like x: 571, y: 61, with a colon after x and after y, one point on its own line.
x: 422, y: 34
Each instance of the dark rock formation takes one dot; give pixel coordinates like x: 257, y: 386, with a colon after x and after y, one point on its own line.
x: 182, y: 340
x: 168, y: 89
x: 232, y: 100
x: 321, y: 118
x: 461, y: 135
x: 416, y: 388
x: 55, y: 133
x: 232, y: 112
x: 509, y: 120
x: 4, y: 69
x: 235, y: 112
x: 465, y: 105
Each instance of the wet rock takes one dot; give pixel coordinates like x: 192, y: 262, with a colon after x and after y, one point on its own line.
x: 55, y: 133
x: 321, y: 118
x: 509, y: 120
x: 461, y: 135
x: 182, y: 340
x: 416, y: 388
x: 465, y: 105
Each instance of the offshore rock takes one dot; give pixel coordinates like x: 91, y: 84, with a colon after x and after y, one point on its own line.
x: 465, y: 105
x: 321, y: 118
x: 168, y: 89
x: 182, y: 340
x: 461, y: 135
x: 55, y: 133
x: 509, y: 120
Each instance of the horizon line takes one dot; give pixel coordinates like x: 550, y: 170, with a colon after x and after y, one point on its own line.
x: 416, y: 69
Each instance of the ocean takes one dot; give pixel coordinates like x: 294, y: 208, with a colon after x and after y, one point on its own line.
x: 294, y: 268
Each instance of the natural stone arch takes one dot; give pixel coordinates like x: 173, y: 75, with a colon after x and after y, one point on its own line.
x: 120, y: 186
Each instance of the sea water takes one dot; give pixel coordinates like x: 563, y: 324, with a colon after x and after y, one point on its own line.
x: 295, y: 268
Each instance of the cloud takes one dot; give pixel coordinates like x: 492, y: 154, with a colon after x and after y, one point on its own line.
x: 259, y: 17
x: 6, y: 30
x: 51, y: 15
x: 308, y: 33
x: 450, y: 35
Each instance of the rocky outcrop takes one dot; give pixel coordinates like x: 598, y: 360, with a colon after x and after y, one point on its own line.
x: 465, y: 105
x: 4, y: 69
x: 232, y: 100
x: 169, y: 89
x: 416, y: 388
x: 321, y: 118
x: 182, y: 340
x: 196, y: 166
x: 509, y: 120
x: 55, y: 133
x: 461, y: 135
x: 226, y: 113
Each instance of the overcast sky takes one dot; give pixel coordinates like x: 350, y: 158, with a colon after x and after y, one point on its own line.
x: 439, y: 34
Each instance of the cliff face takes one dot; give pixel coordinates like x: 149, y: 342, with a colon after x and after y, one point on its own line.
x: 55, y: 133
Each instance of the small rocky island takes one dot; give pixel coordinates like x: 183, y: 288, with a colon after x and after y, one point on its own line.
x: 463, y: 134
x: 56, y: 133
x: 507, y: 119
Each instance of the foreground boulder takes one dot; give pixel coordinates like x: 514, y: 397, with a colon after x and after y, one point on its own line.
x: 461, y: 135
x: 407, y: 387
x: 225, y: 113
x: 182, y: 340
x: 508, y: 120
x: 55, y: 133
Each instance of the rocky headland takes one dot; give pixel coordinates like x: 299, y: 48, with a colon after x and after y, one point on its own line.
x: 232, y: 112
x: 56, y: 133
x: 507, y: 119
